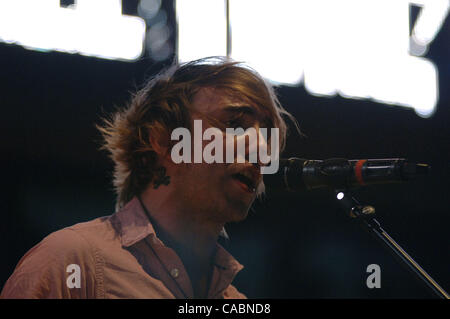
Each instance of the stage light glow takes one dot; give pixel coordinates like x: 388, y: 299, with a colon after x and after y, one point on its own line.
x: 340, y: 195
x: 359, y: 49
x: 147, y: 9
x: 92, y: 28
x: 201, y: 29
x: 157, y: 41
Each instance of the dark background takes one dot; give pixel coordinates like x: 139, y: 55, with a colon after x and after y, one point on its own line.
x: 292, y: 245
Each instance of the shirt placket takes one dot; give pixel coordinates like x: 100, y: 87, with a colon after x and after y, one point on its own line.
x: 168, y: 267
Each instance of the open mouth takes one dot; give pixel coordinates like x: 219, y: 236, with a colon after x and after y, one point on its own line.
x: 246, y: 182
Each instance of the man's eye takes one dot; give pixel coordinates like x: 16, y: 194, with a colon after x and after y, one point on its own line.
x: 238, y: 120
x: 234, y: 123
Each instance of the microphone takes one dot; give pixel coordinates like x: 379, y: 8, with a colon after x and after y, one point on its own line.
x: 297, y: 174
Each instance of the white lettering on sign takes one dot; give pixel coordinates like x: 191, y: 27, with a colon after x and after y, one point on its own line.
x: 354, y: 48
x: 202, y: 29
x: 89, y: 27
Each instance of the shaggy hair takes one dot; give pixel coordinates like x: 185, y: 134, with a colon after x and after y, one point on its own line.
x: 164, y: 104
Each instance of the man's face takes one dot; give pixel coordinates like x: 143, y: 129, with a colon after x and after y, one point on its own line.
x: 224, y: 191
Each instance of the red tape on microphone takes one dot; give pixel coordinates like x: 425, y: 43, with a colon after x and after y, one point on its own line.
x: 358, y: 171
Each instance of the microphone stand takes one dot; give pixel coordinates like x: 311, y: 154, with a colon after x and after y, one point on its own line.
x: 366, y: 216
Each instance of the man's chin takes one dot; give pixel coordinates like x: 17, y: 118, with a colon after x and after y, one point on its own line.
x: 238, y: 206
x: 238, y: 213
x: 240, y: 217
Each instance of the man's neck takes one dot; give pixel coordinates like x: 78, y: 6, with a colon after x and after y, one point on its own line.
x: 192, y: 235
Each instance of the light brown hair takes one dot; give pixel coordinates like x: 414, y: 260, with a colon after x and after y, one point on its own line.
x: 163, y: 104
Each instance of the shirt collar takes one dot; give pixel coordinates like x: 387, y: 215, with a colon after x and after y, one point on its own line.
x: 135, y: 226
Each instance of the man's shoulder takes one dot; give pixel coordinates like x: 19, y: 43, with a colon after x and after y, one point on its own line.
x: 76, y: 241
x: 101, y: 228
x: 81, y: 235
x: 43, y: 270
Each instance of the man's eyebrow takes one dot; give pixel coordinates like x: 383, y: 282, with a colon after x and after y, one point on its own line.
x: 240, y: 109
x: 247, y: 109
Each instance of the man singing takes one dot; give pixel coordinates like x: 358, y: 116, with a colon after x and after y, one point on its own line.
x: 162, y: 240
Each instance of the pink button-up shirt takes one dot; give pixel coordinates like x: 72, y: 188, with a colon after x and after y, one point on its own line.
x: 118, y: 256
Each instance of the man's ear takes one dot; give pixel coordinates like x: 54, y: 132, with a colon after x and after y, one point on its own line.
x: 159, y: 140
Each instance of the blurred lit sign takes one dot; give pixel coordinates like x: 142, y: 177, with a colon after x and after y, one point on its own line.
x: 89, y: 27
x: 355, y: 48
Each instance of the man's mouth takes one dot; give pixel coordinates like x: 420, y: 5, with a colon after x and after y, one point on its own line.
x: 245, y: 181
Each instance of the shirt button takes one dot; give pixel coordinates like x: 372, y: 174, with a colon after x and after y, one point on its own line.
x: 175, y: 272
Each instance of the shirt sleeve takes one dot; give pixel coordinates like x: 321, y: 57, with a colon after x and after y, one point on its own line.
x: 62, y: 265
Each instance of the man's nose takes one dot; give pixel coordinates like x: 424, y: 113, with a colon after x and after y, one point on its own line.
x: 255, y: 146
